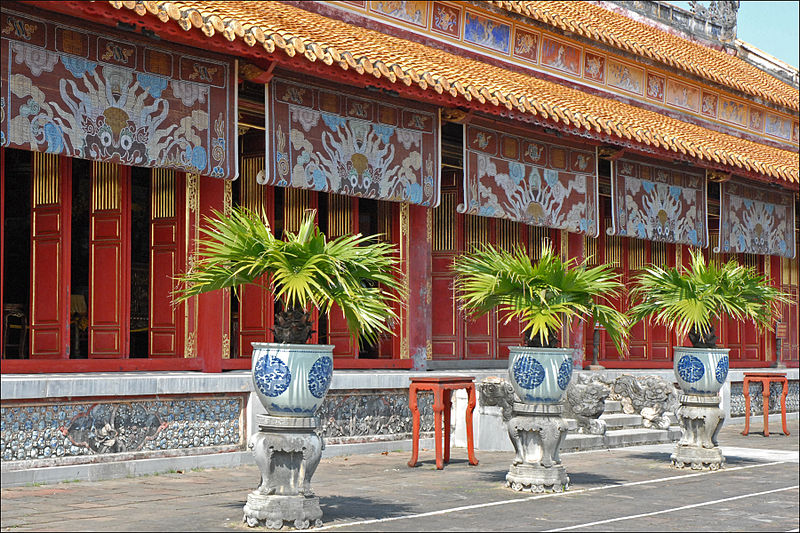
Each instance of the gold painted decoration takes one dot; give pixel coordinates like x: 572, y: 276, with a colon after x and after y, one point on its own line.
x: 83, y: 92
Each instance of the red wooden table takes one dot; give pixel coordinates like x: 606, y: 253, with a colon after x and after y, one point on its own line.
x: 442, y: 387
x: 765, y: 378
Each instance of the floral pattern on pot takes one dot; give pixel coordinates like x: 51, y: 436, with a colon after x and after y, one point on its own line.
x: 721, y: 372
x: 319, y: 379
x: 564, y: 374
x: 528, y: 372
x: 690, y: 368
x: 272, y: 376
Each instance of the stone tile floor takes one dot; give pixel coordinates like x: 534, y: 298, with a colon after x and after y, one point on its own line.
x: 623, y: 489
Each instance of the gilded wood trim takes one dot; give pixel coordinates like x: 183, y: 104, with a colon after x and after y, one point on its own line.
x: 46, y: 179
x: 658, y: 253
x: 106, y: 190
x: 251, y: 193
x: 613, y: 251
x: 340, y: 215
x: 443, y: 224
x: 162, y: 197
x: 477, y: 231
x: 507, y: 233
x: 539, y: 236
x: 637, y: 254
x: 590, y: 250
x: 405, y: 226
x: 296, y: 202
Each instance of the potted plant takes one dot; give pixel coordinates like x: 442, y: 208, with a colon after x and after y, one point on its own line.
x: 543, y: 296
x: 303, y: 269
x: 690, y: 300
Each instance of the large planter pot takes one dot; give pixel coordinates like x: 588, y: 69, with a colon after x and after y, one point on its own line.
x: 539, y: 375
x: 292, y: 379
x: 700, y: 370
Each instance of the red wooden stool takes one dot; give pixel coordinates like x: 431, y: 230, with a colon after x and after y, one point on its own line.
x: 442, y: 388
x: 765, y: 378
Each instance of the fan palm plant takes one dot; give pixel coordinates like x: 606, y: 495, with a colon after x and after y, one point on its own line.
x: 690, y: 300
x: 542, y: 295
x: 303, y: 269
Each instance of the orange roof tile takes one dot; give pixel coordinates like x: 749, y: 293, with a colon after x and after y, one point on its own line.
x: 600, y: 24
x: 275, y: 25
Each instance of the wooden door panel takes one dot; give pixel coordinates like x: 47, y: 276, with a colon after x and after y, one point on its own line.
x: 50, y: 256
x: 338, y: 334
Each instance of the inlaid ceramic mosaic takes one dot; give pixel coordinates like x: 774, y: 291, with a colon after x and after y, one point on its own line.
x: 755, y: 220
x: 757, y: 399
x: 658, y: 204
x: 528, y: 180
x: 86, y: 94
x: 359, y: 416
x: 87, y: 429
x: 350, y: 143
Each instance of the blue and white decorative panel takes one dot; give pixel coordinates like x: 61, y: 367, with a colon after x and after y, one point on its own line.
x: 700, y: 370
x: 319, y: 379
x: 271, y: 376
x: 60, y: 430
x: 539, y: 375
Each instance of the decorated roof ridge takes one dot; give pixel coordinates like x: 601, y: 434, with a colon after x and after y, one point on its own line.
x: 278, y: 26
x: 600, y: 24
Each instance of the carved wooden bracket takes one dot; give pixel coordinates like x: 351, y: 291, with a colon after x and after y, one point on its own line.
x: 255, y: 74
x: 717, y: 176
x: 454, y: 114
x: 610, y: 153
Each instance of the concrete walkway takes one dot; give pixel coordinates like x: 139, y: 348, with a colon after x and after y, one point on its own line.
x: 624, y: 489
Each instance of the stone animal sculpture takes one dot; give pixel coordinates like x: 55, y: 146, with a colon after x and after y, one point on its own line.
x: 585, y: 401
x: 650, y: 396
x: 286, y: 461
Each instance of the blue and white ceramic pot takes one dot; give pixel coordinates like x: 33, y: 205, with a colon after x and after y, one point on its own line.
x: 700, y: 370
x: 292, y: 379
x: 539, y: 375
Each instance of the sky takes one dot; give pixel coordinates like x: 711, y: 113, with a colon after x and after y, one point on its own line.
x: 770, y: 26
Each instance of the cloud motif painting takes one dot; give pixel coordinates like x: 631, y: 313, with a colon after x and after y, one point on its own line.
x: 528, y: 180
x: 82, y: 93
x: 756, y: 220
x: 347, y: 143
x: 658, y: 204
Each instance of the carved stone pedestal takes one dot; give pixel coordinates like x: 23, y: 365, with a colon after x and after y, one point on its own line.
x: 537, y: 432
x: 701, y: 419
x: 287, y: 450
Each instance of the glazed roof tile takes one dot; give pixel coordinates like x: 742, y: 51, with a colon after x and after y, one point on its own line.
x: 277, y: 26
x: 597, y: 23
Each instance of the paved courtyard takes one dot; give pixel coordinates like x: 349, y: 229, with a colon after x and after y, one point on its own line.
x: 624, y: 489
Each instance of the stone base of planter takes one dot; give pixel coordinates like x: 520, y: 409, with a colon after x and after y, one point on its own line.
x: 698, y: 458
x: 701, y: 419
x: 274, y: 510
x: 535, y: 478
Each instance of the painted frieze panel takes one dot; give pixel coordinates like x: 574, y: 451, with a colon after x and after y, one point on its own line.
x: 87, y: 94
x: 528, y: 180
x: 709, y: 105
x: 446, y: 19
x: 778, y: 126
x: 756, y: 119
x: 413, y: 11
x: 655, y: 86
x: 324, y: 139
x: 487, y: 32
x: 683, y: 95
x: 594, y: 67
x: 657, y: 203
x: 755, y: 220
x: 561, y: 56
x: 625, y: 77
x: 526, y: 45
x: 733, y: 111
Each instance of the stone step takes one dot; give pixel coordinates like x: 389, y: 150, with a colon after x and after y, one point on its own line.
x: 619, y: 438
x: 613, y: 406
x: 621, y: 420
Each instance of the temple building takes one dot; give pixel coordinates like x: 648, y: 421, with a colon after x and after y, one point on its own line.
x: 618, y: 132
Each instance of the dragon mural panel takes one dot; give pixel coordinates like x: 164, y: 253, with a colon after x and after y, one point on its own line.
x: 350, y: 143
x: 755, y: 220
x: 658, y: 203
x: 86, y: 94
x: 529, y: 180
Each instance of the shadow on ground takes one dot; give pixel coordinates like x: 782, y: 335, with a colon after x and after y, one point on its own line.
x: 583, y: 479
x: 349, y: 508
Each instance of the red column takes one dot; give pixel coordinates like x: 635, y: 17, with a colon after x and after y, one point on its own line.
x: 579, y: 330
x: 211, y: 324
x: 50, y: 256
x: 416, y: 241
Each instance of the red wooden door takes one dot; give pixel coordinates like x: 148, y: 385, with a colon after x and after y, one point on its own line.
x: 256, y: 305
x: 342, y: 220
x: 167, y: 257
x: 50, y: 256
x: 109, y: 258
